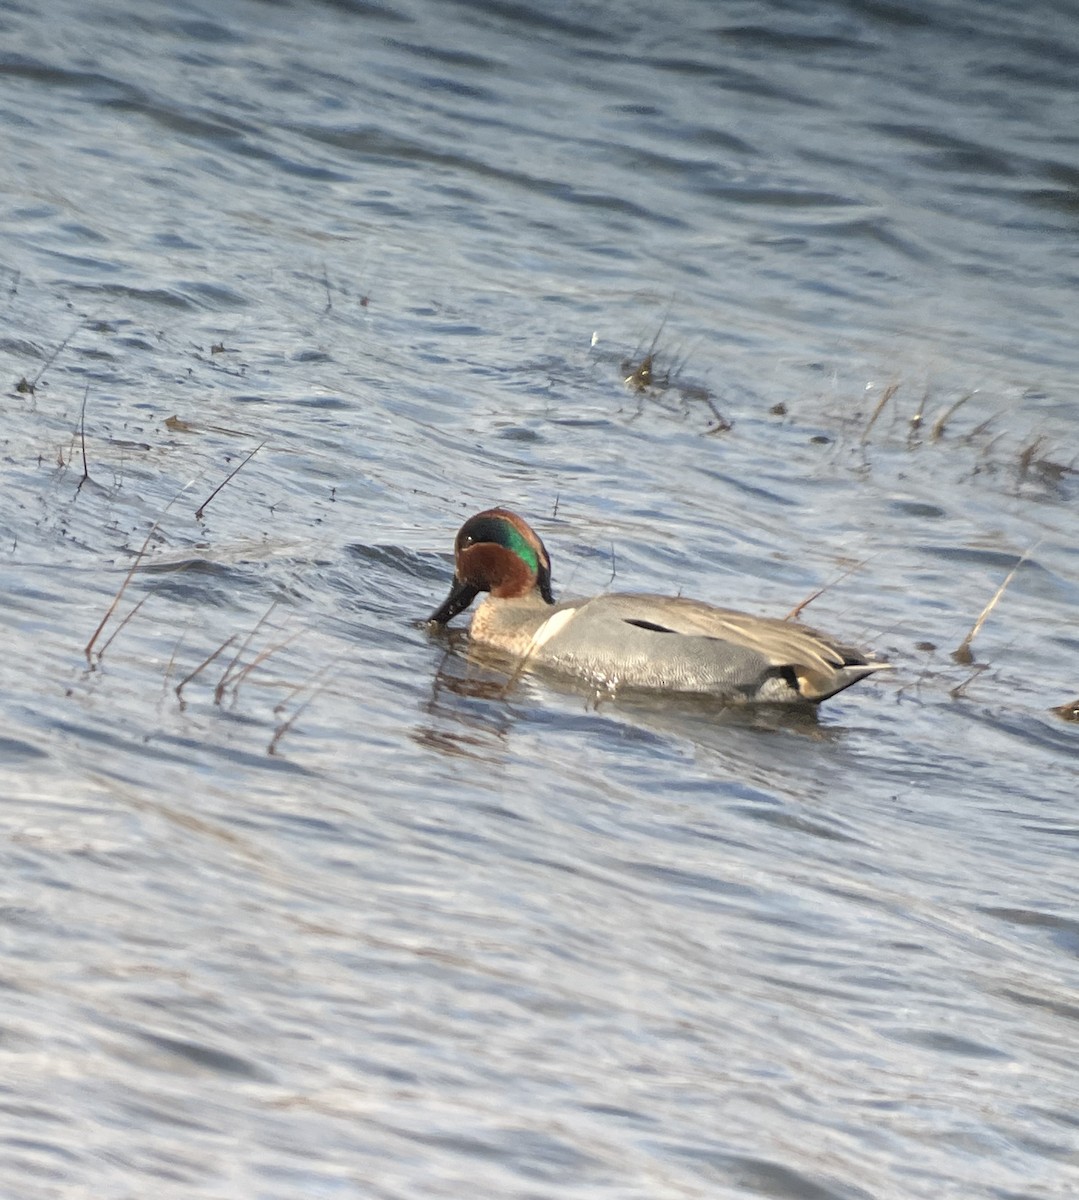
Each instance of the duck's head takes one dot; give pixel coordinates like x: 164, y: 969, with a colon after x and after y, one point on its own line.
x: 497, y: 552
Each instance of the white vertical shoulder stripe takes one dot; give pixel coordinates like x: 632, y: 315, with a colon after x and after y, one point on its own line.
x: 550, y: 627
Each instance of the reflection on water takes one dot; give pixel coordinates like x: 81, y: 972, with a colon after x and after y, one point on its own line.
x: 453, y: 725
x: 483, y: 674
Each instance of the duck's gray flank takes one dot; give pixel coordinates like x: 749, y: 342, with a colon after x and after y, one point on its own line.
x: 624, y: 640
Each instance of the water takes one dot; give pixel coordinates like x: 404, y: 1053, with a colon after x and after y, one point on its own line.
x: 349, y: 918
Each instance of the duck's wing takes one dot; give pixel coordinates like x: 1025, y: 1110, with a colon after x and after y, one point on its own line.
x: 813, y: 664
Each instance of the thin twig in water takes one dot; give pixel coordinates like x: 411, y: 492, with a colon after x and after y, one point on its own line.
x: 961, y: 654
x: 202, y: 507
x: 112, y: 636
x: 519, y: 669
x: 88, y: 649
x: 722, y: 425
x: 286, y: 725
x: 82, y: 438
x: 202, y: 667
x: 982, y: 429
x: 175, y: 651
x: 941, y: 422
x: 885, y: 396
x: 640, y: 377
x: 222, y: 683
x: 917, y: 418
x: 796, y: 611
x: 1027, y: 457
x: 54, y: 356
x: 262, y: 656
x: 957, y: 692
x: 614, y: 567
x: 540, y: 638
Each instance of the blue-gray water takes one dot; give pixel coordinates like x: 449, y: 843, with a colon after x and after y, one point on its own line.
x: 349, y: 917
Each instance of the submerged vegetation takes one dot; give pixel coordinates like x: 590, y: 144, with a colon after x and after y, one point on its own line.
x: 110, y: 489
x: 659, y: 376
x: 902, y: 423
x: 116, y: 471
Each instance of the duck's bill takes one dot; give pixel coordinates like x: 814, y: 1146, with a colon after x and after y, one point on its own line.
x: 460, y: 597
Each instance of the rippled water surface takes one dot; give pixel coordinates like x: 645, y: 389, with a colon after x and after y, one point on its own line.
x: 301, y: 900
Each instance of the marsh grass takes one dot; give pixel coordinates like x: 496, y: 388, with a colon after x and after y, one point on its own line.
x: 1035, y: 466
x: 318, y: 683
x: 797, y: 610
x: 885, y: 396
x: 963, y: 654
x: 237, y: 670
x: 960, y: 689
x: 232, y: 669
x: 644, y: 380
x: 82, y: 436
x: 228, y: 478
x: 214, y: 654
x: 29, y: 387
x: 647, y: 374
x: 88, y: 649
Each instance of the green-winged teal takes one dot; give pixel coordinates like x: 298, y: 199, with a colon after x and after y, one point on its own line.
x: 661, y: 643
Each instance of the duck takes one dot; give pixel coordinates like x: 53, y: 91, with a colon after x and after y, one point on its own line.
x: 638, y: 642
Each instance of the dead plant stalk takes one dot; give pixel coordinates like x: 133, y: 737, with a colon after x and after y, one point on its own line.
x: 82, y: 436
x: 885, y: 396
x: 231, y: 475
x: 88, y: 650
x: 223, y: 682
x: 202, y: 667
x: 797, y: 610
x: 962, y: 653
x: 323, y: 683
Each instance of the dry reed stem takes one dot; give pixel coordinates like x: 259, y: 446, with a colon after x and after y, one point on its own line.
x: 1026, y: 456
x: 962, y: 654
x: 89, y: 647
x: 54, y: 356
x: 172, y: 657
x: 222, y: 683
x: 941, y: 422
x: 885, y: 396
x: 547, y: 630
x: 235, y: 471
x: 957, y: 692
x: 915, y: 421
x: 796, y: 611
x: 517, y: 672
x: 286, y: 725
x: 262, y: 656
x: 201, y: 667
x: 115, y: 633
x: 82, y: 438
x: 640, y: 378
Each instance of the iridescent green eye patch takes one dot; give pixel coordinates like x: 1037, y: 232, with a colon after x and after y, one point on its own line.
x: 502, y: 533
